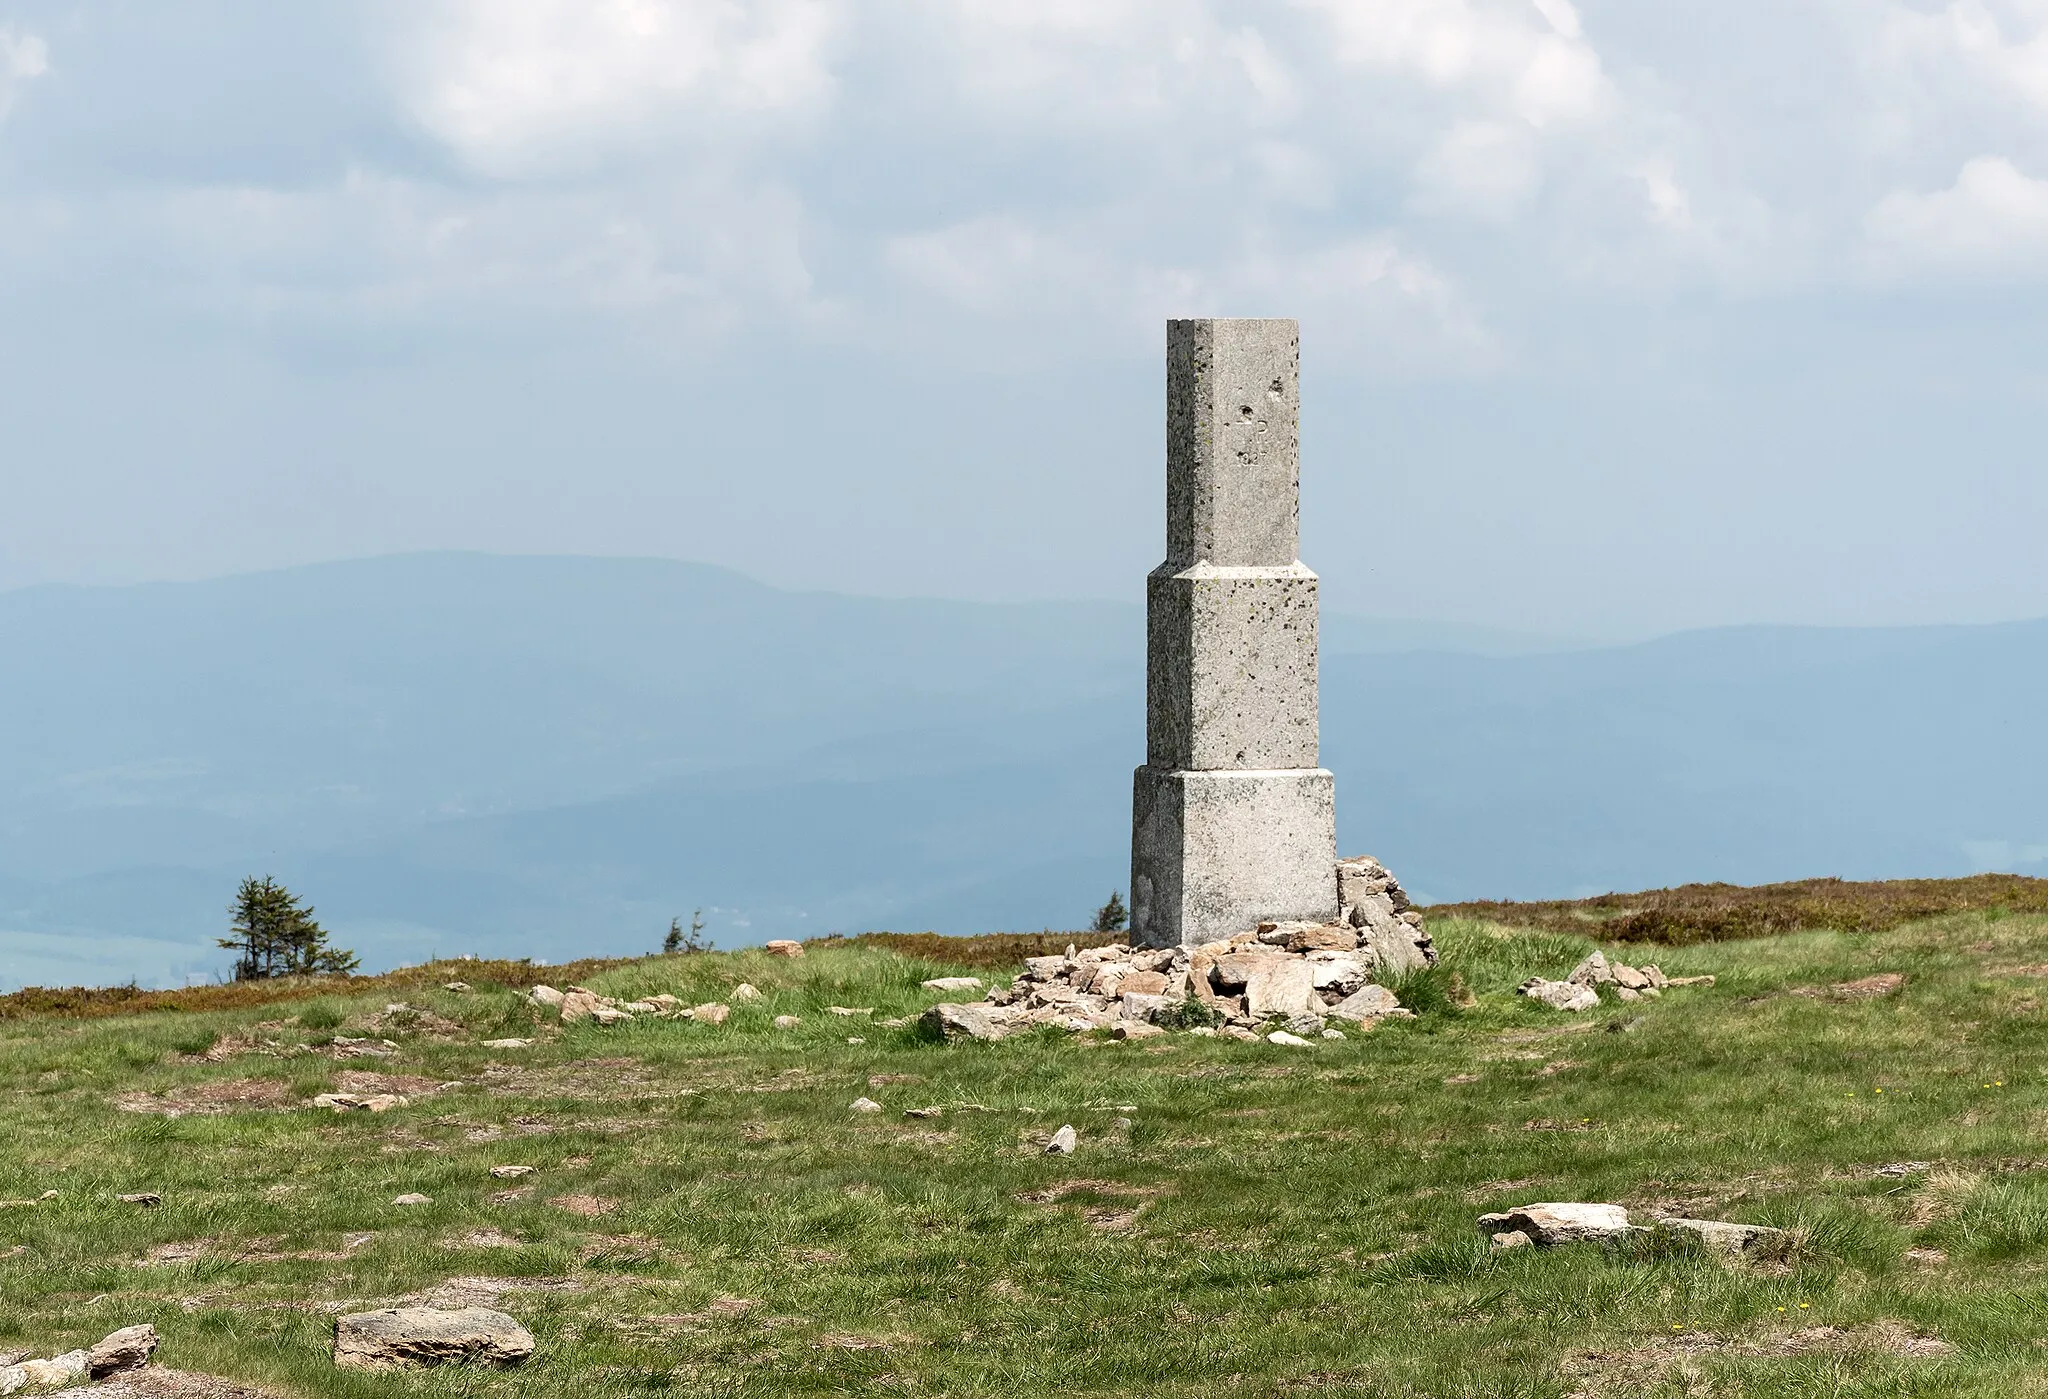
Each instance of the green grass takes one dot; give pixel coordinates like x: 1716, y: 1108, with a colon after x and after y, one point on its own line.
x: 1273, y: 1223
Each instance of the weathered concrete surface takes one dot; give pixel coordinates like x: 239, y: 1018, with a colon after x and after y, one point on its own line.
x: 1233, y: 821
x: 1230, y: 667
x: 1233, y: 444
x: 1214, y: 853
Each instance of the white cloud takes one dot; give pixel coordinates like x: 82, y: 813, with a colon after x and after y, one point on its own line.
x: 23, y: 58
x: 2000, y: 42
x: 1489, y: 169
x: 1531, y: 61
x: 1365, y: 293
x: 519, y: 87
x: 1991, y: 223
x: 1665, y: 198
x: 380, y: 250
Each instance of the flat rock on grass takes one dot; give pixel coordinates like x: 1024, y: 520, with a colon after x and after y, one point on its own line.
x: 409, y: 1337
x: 1560, y: 995
x: 1561, y: 1223
x: 970, y: 1020
x: 1721, y: 1237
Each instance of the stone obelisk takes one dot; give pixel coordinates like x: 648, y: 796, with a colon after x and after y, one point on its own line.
x: 1233, y: 821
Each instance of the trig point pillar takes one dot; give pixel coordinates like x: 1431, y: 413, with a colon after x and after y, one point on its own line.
x: 1233, y: 821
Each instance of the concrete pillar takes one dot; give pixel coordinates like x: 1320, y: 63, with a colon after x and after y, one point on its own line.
x: 1232, y: 819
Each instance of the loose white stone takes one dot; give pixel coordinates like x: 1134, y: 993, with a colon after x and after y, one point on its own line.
x: 414, y: 1199
x: 1366, y: 1003
x: 953, y: 983
x: 546, y: 996
x: 507, y: 1044
x: 865, y: 1105
x: 1292, y: 1041
x: 1063, y: 1142
x: 1593, y: 971
x: 1554, y: 1224
x: 511, y: 1172
x: 746, y: 991
x: 788, y: 1022
x: 59, y: 1369
x: 974, y: 1020
x: 1560, y: 995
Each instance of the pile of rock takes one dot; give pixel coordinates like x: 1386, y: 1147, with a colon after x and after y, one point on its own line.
x: 1554, y: 1225
x: 1581, y: 990
x: 127, y: 1349
x: 1304, y: 974
x: 579, y: 1004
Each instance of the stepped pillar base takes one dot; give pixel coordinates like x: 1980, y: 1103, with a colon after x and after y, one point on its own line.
x: 1214, y: 853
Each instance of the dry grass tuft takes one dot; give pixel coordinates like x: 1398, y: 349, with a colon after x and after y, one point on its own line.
x: 93, y: 1002
x: 999, y: 951
x: 1694, y: 913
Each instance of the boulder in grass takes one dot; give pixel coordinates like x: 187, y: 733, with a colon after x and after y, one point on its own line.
x: 546, y: 997
x: 1721, y: 1237
x: 578, y: 1006
x: 972, y: 1020
x: 1366, y: 1003
x: 1565, y: 1223
x: 1593, y: 971
x: 783, y: 947
x: 1560, y: 995
x: 410, y: 1337
x: 127, y: 1349
x: 953, y: 983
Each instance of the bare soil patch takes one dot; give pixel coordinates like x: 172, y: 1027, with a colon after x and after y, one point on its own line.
x: 172, y: 1384
x: 212, y: 1099
x: 1863, y: 988
x: 588, y: 1206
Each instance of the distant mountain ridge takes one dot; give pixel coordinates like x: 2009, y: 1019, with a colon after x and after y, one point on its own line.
x: 554, y: 756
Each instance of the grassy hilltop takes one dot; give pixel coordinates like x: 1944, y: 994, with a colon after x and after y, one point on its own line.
x: 708, y: 1217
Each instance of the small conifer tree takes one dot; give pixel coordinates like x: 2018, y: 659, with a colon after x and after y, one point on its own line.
x: 1112, y: 917
x: 677, y: 941
x: 275, y: 935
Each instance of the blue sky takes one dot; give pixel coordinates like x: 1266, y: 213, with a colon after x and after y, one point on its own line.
x: 1617, y: 317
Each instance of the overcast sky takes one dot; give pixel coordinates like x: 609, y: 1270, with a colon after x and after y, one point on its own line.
x: 1616, y: 315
